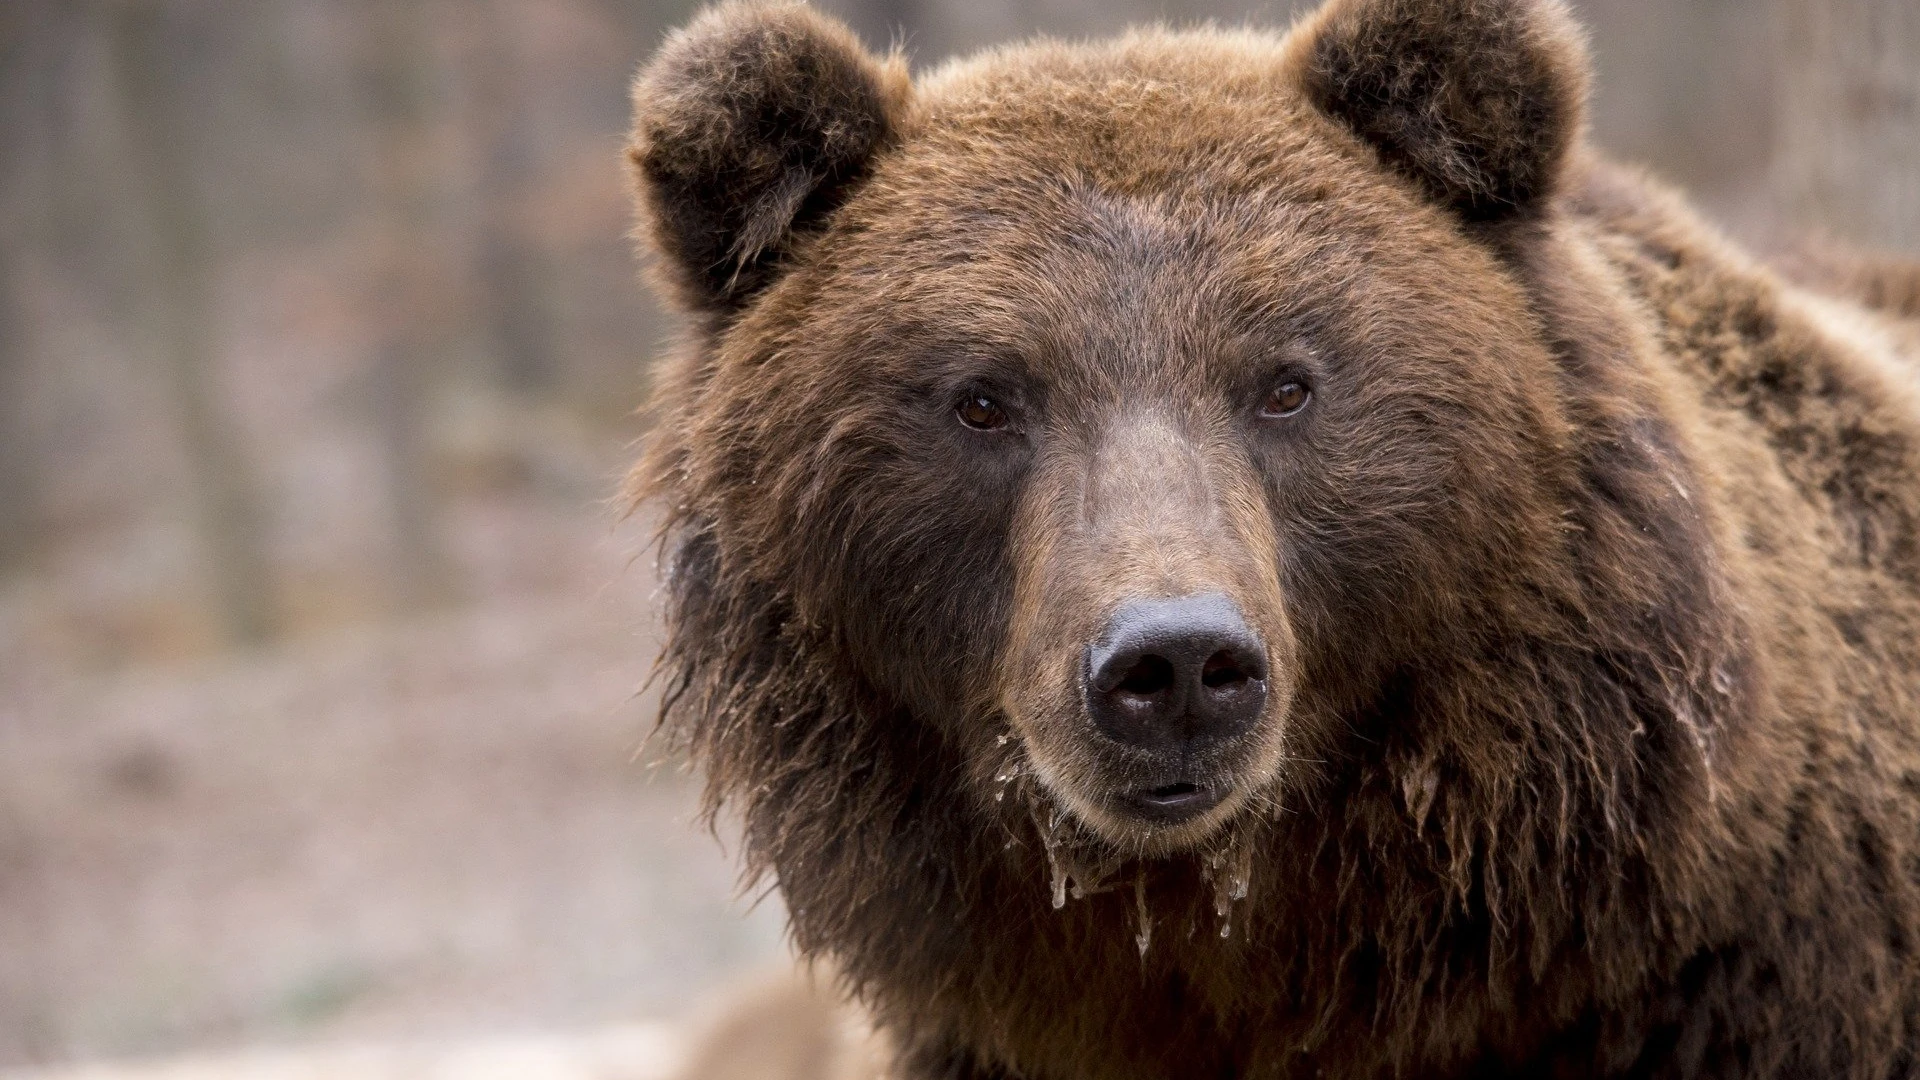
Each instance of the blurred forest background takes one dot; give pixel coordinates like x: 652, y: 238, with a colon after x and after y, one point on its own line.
x: 320, y: 638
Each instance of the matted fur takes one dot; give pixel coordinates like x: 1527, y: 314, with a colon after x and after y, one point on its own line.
x: 1594, y: 569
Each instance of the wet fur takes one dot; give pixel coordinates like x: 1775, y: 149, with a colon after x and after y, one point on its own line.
x: 1602, y: 569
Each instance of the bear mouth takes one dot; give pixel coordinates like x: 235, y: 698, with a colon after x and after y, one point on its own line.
x: 1170, y: 804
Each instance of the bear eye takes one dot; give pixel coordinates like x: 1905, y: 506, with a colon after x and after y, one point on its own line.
x: 1286, y: 399
x: 981, y: 413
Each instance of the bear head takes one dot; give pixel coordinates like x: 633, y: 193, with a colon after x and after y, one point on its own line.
x: 1122, y: 426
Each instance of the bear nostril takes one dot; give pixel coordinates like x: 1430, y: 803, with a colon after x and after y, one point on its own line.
x: 1148, y: 676
x: 1221, y: 669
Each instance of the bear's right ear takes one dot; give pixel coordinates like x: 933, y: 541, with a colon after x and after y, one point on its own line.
x: 1480, y: 101
x: 749, y: 125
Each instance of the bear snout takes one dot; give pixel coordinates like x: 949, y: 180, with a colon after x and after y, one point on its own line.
x: 1176, y: 676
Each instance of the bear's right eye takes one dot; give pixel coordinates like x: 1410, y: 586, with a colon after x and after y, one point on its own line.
x: 1285, y: 400
x: 981, y: 413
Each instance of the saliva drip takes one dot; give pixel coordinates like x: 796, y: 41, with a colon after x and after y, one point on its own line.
x: 1143, y: 937
x: 1231, y: 874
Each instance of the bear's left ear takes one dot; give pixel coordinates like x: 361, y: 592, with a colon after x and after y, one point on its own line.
x: 748, y: 125
x: 1478, y: 100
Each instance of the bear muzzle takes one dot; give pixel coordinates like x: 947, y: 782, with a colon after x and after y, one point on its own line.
x: 1175, y: 678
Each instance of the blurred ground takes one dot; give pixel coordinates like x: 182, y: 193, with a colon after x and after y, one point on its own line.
x: 429, y: 827
x: 630, y: 1052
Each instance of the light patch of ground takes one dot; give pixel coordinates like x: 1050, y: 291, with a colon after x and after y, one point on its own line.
x: 631, y: 1052
x: 429, y: 830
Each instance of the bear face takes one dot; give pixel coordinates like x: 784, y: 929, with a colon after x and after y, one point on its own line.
x: 1118, y: 407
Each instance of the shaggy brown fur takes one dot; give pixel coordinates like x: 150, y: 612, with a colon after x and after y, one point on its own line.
x: 1589, y: 576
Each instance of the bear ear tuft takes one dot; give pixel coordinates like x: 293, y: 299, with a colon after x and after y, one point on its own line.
x: 1479, y: 100
x: 750, y: 124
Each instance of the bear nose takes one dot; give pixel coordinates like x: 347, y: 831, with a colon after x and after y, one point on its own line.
x: 1170, y: 674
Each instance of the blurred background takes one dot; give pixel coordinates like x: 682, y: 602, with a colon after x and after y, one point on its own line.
x: 321, y: 638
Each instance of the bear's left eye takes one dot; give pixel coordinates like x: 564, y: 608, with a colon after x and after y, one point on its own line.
x: 981, y: 413
x: 1286, y: 399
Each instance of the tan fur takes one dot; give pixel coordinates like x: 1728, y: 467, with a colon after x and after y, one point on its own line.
x: 791, y: 1026
x: 1590, y: 577
x: 1882, y: 282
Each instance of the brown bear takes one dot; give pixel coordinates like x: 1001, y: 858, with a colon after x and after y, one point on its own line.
x: 1225, y: 554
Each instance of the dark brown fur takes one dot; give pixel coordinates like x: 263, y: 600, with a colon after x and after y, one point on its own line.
x: 1592, y: 578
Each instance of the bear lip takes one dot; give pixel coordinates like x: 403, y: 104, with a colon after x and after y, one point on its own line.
x: 1173, y: 803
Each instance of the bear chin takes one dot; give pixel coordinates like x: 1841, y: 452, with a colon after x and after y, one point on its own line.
x: 1151, y: 820
x: 1147, y: 830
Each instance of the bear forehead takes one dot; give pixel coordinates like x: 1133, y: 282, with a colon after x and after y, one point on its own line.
x: 999, y: 237
x: 1191, y: 150
x: 1160, y: 196
x: 1204, y: 113
x: 1153, y: 69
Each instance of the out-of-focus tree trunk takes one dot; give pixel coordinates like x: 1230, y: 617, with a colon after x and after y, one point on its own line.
x: 147, y: 58
x: 19, y: 25
x: 414, y: 298
x: 1847, y: 152
x: 511, y: 269
x: 18, y: 487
